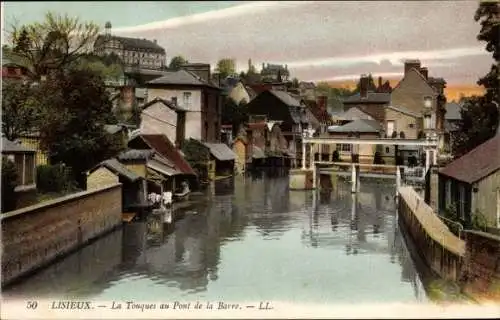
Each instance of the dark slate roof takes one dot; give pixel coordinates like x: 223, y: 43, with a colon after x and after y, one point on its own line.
x: 286, y: 98
x: 135, y: 43
x: 117, y: 168
x: 181, y: 77
x: 251, y: 92
x: 135, y: 154
x: 360, y: 125
x: 162, y: 145
x: 320, y: 114
x: 14, y: 147
x: 372, y: 97
x: 220, y: 151
x: 306, y: 85
x: 477, y: 164
x: 453, y: 111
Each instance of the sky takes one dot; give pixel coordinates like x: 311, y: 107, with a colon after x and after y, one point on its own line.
x: 330, y: 40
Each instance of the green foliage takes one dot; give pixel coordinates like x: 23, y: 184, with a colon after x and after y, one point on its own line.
x: 336, y: 156
x: 479, y: 221
x: 226, y: 67
x: 55, y: 178
x: 75, y: 108
x: 177, y: 62
x: 109, y: 67
x: 234, y: 114
x: 197, y: 155
x: 371, y: 85
x: 9, y: 183
x: 51, y: 44
x: 479, y: 123
x: 335, y: 95
x: 20, y: 112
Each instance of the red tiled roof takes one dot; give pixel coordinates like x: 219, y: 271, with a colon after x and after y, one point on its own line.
x: 161, y: 144
x: 477, y: 164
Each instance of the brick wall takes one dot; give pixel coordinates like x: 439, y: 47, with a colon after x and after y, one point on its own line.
x: 34, y: 236
x: 481, y: 270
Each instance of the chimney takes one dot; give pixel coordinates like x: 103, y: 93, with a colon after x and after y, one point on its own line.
x: 410, y: 64
x: 155, y: 42
x: 322, y: 102
x: 363, y: 86
x: 425, y: 73
x: 379, y: 83
x: 180, y: 126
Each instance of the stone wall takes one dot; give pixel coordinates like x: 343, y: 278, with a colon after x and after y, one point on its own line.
x: 481, y: 270
x: 442, y: 251
x: 34, y: 236
x: 301, y: 179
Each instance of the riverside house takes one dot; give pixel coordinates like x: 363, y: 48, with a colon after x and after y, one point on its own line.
x: 472, y: 182
x: 24, y: 160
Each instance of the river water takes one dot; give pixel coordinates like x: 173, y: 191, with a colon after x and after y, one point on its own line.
x: 250, y: 239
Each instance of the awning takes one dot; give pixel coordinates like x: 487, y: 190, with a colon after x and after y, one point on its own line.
x: 220, y: 151
x: 258, y: 153
x: 161, y: 168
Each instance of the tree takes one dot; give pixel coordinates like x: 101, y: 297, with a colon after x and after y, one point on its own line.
x: 75, y: 108
x: 234, y: 114
x: 51, y: 44
x: 478, y: 124
x: 335, y: 95
x: 177, y: 62
x: 226, y: 67
x: 20, y: 110
x: 295, y: 83
x: 480, y: 115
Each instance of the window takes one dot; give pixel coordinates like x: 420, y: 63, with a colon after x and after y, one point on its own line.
x: 433, y: 120
x: 427, y: 122
x: 448, y: 193
x: 387, y: 150
x: 411, y: 125
x: 390, y: 128
x: 187, y: 99
x: 428, y: 102
x: 343, y: 147
x: 462, y: 201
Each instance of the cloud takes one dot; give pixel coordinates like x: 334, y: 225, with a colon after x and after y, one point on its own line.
x: 236, y: 11
x: 326, y: 40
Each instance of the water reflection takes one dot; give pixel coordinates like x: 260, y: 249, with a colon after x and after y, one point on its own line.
x: 254, y: 239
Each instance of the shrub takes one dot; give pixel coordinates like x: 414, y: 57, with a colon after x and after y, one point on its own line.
x: 55, y: 178
x: 394, y: 134
x: 479, y: 221
x: 377, y: 158
x: 9, y: 182
x: 336, y: 156
x: 355, y: 158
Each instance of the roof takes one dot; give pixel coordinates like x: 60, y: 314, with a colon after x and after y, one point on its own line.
x: 181, y: 77
x: 117, y: 168
x: 256, y: 125
x: 311, y: 118
x: 162, y: 168
x: 251, y: 92
x: 162, y: 145
x: 354, y: 114
x: 477, y: 164
x: 453, y: 111
x: 404, y: 111
x: 372, y: 97
x: 306, y: 85
x: 220, y: 151
x: 258, y: 153
x: 286, y: 98
x: 14, y: 147
x: 168, y: 104
x: 450, y: 126
x: 320, y: 114
x: 135, y: 154
x: 141, y: 93
x: 359, y: 125
x: 134, y: 43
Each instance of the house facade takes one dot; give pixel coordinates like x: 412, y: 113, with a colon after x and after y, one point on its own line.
x: 472, y: 183
x: 199, y: 98
x: 25, y: 163
x: 142, y: 53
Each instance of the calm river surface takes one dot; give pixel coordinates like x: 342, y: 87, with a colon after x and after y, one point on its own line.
x: 253, y: 240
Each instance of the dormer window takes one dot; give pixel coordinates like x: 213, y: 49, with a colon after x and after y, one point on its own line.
x: 428, y: 102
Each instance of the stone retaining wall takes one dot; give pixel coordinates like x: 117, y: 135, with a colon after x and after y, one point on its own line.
x: 36, y: 235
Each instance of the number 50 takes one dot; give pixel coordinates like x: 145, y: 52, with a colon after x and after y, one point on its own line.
x: 31, y: 305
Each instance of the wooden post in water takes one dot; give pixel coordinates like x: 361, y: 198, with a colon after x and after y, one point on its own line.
x: 354, y: 178
x: 315, y: 175
x: 398, y: 179
x: 358, y: 178
x: 303, y: 155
